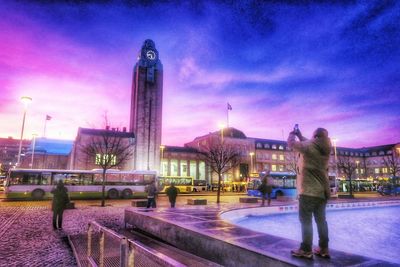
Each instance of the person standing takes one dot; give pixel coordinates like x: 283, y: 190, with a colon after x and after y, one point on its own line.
x: 172, y: 193
x: 313, y: 189
x: 266, y: 188
x: 59, y: 204
x: 151, y: 195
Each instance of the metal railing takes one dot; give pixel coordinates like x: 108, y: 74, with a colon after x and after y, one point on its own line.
x: 105, y: 248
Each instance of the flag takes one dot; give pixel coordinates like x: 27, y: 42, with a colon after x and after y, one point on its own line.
x: 229, y: 107
x: 48, y: 117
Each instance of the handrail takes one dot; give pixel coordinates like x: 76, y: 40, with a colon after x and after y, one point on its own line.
x: 128, y: 250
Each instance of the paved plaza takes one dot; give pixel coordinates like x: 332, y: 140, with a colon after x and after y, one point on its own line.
x: 27, y: 237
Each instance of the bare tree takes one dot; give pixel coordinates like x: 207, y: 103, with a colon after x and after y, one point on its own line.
x: 292, y: 164
x: 348, y: 167
x: 109, y: 149
x: 392, y: 163
x: 221, y: 158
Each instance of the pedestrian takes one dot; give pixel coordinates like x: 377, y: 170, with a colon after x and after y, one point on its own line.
x: 172, y: 193
x: 151, y: 191
x: 266, y: 188
x: 313, y: 189
x: 59, y: 204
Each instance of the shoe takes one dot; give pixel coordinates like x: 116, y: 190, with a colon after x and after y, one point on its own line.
x: 302, y: 254
x: 322, y: 252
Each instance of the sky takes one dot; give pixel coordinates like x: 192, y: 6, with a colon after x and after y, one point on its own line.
x: 324, y: 64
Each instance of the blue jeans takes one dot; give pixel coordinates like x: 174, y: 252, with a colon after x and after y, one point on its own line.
x: 309, y: 206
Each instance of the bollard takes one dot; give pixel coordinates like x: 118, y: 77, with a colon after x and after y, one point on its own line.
x: 124, y: 252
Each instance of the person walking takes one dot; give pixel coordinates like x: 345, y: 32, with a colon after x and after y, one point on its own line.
x: 59, y: 204
x: 313, y: 189
x: 266, y: 188
x: 172, y: 193
x: 151, y: 191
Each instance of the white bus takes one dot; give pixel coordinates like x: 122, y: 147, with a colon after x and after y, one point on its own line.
x: 38, y: 183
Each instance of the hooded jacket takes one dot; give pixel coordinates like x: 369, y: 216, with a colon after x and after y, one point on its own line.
x: 313, y: 158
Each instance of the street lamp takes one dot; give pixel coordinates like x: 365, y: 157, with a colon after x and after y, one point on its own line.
x: 33, y: 148
x: 25, y: 100
x: 251, y: 161
x: 162, y: 158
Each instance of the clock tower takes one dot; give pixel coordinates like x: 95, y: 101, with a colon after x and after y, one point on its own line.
x: 146, y: 108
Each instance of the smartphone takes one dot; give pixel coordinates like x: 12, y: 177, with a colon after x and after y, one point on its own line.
x: 296, y: 127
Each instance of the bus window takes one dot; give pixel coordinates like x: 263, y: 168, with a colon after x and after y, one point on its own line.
x: 46, y: 178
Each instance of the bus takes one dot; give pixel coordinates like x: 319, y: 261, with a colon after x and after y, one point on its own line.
x: 284, y: 184
x: 184, y: 184
x: 333, y: 184
x: 38, y: 183
x: 199, y: 185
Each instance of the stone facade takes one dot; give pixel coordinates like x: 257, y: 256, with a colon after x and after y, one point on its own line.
x: 146, y: 108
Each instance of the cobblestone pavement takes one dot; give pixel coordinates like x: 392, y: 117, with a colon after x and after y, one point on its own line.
x: 27, y: 237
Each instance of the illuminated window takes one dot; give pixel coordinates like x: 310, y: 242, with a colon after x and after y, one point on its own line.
x: 281, y: 147
x: 202, y: 170
x: 362, y: 171
x: 104, y: 159
x: 384, y: 170
x: 281, y: 168
x: 377, y: 170
x: 184, y: 168
x: 193, y: 169
x: 259, y: 145
x: 273, y: 146
x: 266, y: 146
x: 273, y: 167
x: 174, y: 167
x: 164, y: 167
x: 281, y: 157
x: 274, y: 156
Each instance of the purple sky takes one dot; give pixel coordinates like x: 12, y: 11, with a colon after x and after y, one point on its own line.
x: 331, y: 65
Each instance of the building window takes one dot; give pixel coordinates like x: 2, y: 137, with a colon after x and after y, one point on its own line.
x: 104, y: 158
x: 374, y: 154
x: 377, y: 170
x: 281, y: 168
x: 281, y: 157
x: 266, y: 146
x: 184, y: 168
x: 384, y: 170
x: 202, y: 170
x: 259, y: 145
x: 193, y: 169
x: 174, y: 167
x: 273, y: 146
x: 280, y: 147
x: 274, y: 156
x: 273, y: 167
x: 164, y: 167
x: 389, y: 152
x: 362, y: 171
x: 381, y: 153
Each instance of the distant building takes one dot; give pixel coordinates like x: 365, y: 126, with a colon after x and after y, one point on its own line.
x: 80, y: 161
x: 9, y: 152
x: 48, y: 153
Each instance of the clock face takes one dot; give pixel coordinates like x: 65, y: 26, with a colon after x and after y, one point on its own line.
x: 151, y: 55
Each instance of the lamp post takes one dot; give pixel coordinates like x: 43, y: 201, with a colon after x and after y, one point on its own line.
x: 33, y: 148
x: 251, y: 162
x: 25, y: 100
x: 162, y: 158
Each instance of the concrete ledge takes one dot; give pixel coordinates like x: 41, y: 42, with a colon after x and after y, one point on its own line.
x: 70, y: 205
x: 198, y: 201
x: 284, y: 198
x: 139, y: 203
x: 248, y: 200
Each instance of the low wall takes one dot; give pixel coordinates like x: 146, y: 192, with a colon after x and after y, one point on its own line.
x: 200, y: 244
